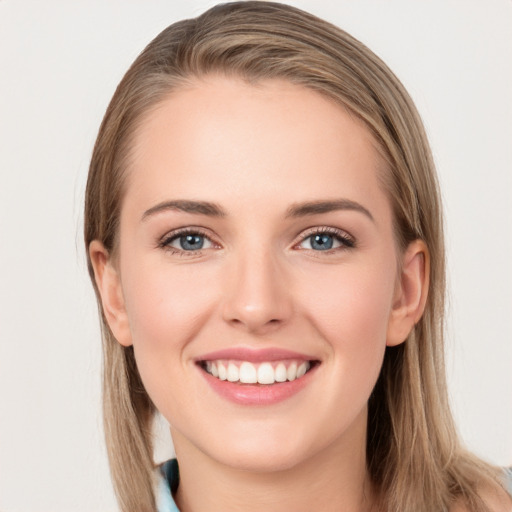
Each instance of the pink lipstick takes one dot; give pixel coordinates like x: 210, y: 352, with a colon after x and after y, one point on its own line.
x: 256, y: 377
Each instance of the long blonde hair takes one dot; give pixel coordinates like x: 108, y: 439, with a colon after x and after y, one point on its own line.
x: 413, y: 454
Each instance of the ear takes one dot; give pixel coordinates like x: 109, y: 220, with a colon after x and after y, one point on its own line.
x: 109, y: 285
x: 410, y: 293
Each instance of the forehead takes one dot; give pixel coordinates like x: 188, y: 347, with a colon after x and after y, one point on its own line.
x: 222, y: 136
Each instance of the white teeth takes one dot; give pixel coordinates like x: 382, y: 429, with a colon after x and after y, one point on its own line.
x: 280, y: 373
x: 233, y: 373
x: 223, y: 374
x: 291, y: 373
x: 301, y: 370
x: 263, y: 373
x: 248, y: 373
x: 266, y: 374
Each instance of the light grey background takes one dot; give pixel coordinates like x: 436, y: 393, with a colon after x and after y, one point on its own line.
x: 59, y: 64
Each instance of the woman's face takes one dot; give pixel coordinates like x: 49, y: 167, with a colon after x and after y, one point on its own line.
x: 256, y: 242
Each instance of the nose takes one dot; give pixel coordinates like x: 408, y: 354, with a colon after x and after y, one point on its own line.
x: 259, y: 296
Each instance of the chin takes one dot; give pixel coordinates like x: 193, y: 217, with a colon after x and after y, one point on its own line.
x: 261, y: 454
x: 262, y: 462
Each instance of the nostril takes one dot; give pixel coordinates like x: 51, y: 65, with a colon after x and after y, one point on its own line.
x: 255, y: 321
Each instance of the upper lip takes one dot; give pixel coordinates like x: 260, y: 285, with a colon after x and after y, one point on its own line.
x: 254, y: 355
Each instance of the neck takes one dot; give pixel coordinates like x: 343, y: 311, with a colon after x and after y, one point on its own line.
x: 334, y: 479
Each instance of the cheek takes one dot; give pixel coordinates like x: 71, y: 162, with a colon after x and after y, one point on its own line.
x: 351, y: 314
x: 353, y: 306
x: 166, y: 308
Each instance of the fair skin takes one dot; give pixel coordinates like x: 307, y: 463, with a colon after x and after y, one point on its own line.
x: 281, y: 188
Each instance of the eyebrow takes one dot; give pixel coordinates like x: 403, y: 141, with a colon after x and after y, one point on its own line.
x: 317, y: 207
x: 294, y: 211
x: 187, y: 206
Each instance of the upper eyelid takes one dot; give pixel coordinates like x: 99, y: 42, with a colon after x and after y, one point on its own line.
x: 170, y: 235
x: 342, y: 233
x: 164, y: 242
x: 323, y: 229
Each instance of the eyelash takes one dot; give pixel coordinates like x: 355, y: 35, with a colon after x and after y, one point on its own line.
x: 166, y: 240
x: 346, y: 240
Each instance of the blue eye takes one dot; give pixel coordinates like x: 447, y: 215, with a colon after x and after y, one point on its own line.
x: 191, y: 242
x: 188, y: 242
x: 318, y: 241
x: 325, y: 241
x: 321, y: 241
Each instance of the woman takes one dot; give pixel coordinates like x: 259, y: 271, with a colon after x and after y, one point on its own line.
x: 265, y: 238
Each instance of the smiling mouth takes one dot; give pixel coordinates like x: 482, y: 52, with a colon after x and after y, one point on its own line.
x: 266, y: 373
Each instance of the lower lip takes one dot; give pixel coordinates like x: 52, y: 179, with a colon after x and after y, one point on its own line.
x: 257, y: 394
